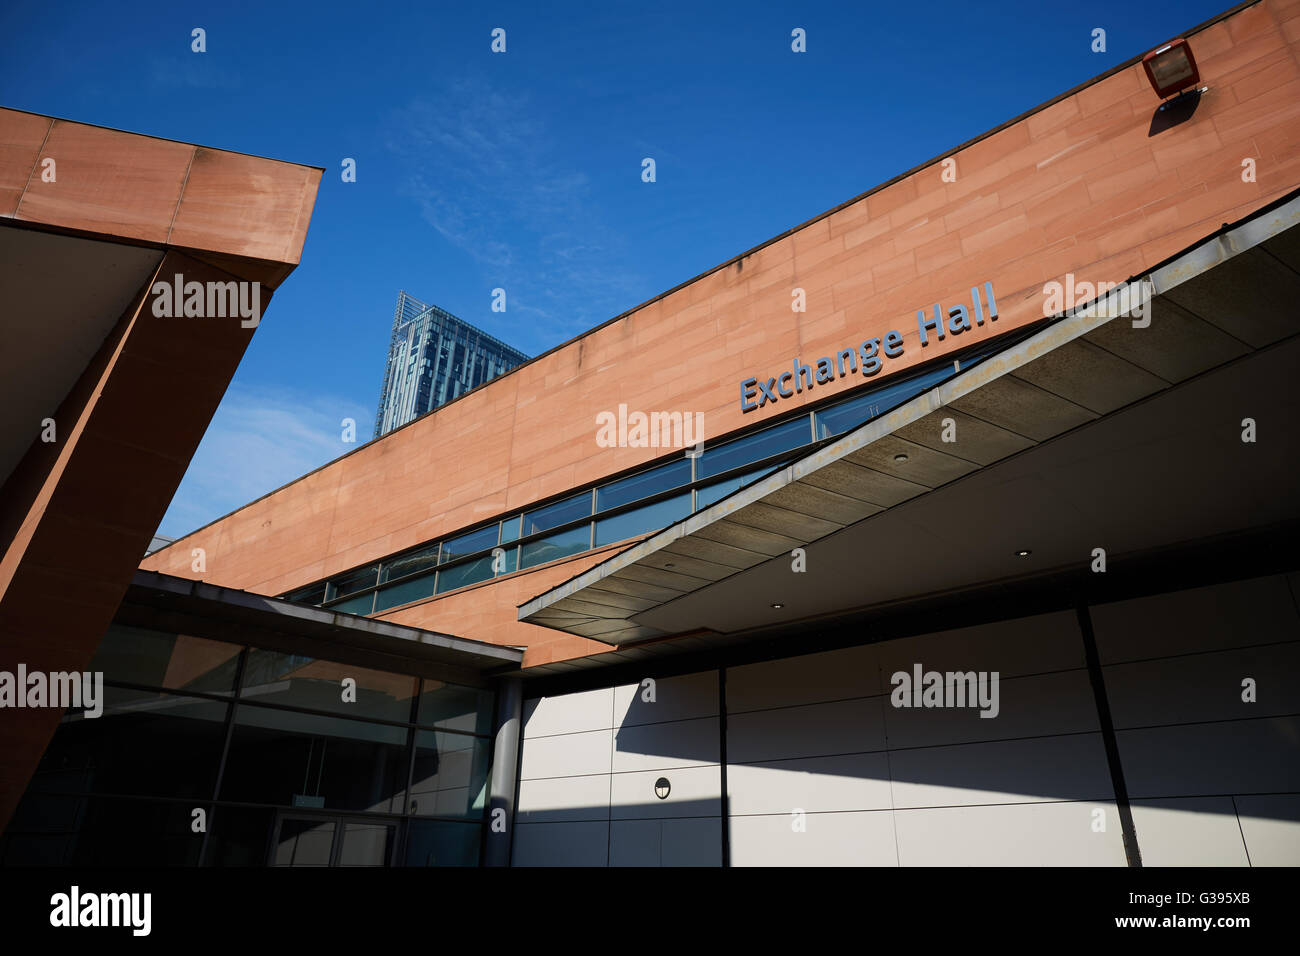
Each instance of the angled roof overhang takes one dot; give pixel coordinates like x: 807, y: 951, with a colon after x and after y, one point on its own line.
x: 107, y: 394
x: 180, y: 605
x: 892, y: 530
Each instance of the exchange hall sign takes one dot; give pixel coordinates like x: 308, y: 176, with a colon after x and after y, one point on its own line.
x: 870, y: 356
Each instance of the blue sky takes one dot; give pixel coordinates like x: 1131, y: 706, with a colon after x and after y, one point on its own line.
x: 522, y: 170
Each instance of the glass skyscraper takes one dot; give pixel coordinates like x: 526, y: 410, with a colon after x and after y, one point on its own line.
x: 432, y: 358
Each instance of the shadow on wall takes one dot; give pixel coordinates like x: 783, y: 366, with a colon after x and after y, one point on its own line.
x: 1174, y: 112
x: 1210, y: 777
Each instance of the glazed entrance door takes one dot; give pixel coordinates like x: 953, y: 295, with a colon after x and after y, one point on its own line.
x: 320, y: 839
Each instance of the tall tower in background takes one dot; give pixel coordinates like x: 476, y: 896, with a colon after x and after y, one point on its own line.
x: 432, y: 358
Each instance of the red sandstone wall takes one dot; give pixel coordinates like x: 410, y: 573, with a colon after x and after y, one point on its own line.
x: 1079, y: 186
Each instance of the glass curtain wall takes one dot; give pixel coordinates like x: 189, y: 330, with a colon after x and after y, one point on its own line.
x: 220, y: 754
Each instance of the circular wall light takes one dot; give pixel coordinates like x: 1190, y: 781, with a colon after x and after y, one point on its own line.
x: 778, y: 606
x: 1023, y: 553
x: 663, y: 788
x: 900, y: 458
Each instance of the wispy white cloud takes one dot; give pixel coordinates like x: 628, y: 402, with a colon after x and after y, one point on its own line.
x: 260, y: 439
x: 491, y: 178
x: 196, y: 70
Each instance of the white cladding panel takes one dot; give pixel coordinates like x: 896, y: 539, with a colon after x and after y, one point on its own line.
x: 824, y: 769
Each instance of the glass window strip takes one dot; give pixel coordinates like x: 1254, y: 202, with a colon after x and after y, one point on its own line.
x: 700, y: 481
x: 513, y: 553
